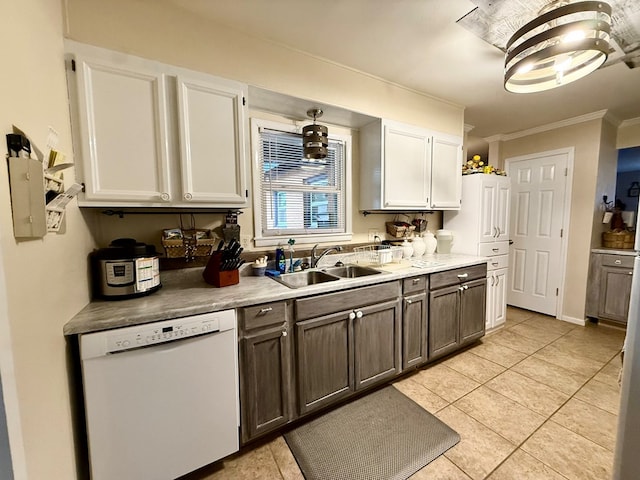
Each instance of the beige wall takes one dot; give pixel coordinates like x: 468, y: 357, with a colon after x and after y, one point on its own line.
x: 153, y: 30
x: 46, y: 279
x: 606, y: 180
x: 585, y: 138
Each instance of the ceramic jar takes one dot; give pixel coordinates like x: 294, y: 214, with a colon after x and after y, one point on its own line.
x: 445, y: 241
x: 407, y: 249
x: 430, y: 243
x: 418, y: 247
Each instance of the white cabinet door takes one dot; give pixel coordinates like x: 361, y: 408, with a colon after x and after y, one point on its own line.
x: 496, y: 297
x: 446, y: 173
x: 212, y: 144
x: 407, y: 165
x: 503, y: 198
x: 122, y: 132
x: 487, y: 210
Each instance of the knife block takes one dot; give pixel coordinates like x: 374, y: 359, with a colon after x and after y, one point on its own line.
x: 216, y: 277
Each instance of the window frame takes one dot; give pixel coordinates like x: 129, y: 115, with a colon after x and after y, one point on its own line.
x: 261, y: 240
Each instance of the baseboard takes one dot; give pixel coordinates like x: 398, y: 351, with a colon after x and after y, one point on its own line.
x: 575, y: 321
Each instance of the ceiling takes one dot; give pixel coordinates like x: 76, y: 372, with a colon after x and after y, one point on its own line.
x: 421, y: 45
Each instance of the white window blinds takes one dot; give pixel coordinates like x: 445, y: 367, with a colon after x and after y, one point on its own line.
x: 299, y: 195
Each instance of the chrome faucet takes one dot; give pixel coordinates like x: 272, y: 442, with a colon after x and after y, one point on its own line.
x: 315, y: 259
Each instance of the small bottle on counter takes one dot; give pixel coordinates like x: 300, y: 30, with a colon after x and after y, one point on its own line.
x: 281, y: 261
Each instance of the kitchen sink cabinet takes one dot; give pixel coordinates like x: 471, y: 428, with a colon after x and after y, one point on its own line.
x: 154, y: 135
x: 265, y: 368
x: 609, y: 287
x: 457, y: 304
x: 415, y: 317
x: 346, y: 341
x: 405, y: 167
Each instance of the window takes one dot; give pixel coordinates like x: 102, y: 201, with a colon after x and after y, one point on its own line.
x: 294, y: 196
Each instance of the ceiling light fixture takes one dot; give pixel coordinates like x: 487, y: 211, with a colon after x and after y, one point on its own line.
x: 566, y: 42
x: 315, y: 138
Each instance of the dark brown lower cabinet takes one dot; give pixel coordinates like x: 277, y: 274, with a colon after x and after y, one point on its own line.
x: 457, y: 309
x: 265, y: 369
x: 340, y: 352
x: 415, y: 317
x: 324, y: 360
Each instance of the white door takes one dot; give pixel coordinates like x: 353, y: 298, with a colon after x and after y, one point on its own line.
x: 407, y: 163
x: 212, y: 143
x: 538, y: 186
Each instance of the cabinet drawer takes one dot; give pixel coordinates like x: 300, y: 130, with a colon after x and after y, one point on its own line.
x: 263, y: 315
x: 493, y: 248
x: 415, y: 284
x: 458, y: 275
x: 500, y: 261
x: 346, y: 300
x: 625, y: 261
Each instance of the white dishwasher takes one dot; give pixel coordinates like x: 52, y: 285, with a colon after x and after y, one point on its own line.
x: 161, y: 399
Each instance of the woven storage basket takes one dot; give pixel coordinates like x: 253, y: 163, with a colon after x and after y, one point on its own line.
x: 175, y: 248
x: 621, y: 239
x: 399, y: 231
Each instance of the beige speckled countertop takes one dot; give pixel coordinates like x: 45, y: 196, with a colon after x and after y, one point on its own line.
x: 185, y: 293
x: 614, y: 251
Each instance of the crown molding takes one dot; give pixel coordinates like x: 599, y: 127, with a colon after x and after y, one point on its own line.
x: 629, y: 122
x: 495, y: 138
x: 468, y: 128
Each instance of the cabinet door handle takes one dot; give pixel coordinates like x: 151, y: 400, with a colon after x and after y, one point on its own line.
x: 187, y: 196
x: 631, y: 272
x: 463, y: 275
x: 265, y: 310
x: 409, y: 302
x: 284, y: 333
x: 359, y: 314
x: 493, y: 280
x: 465, y: 286
x: 165, y: 197
x: 497, y: 280
x: 460, y: 288
x: 352, y: 315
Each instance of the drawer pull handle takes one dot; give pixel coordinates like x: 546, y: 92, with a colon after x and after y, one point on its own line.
x: 416, y: 281
x: 618, y: 262
x: 463, y: 275
x: 495, y: 249
x: 265, y: 310
x: 495, y: 264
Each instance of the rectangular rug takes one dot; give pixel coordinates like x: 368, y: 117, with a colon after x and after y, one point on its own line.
x: 384, y: 436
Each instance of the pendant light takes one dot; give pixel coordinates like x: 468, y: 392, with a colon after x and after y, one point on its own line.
x: 315, y: 138
x: 566, y: 42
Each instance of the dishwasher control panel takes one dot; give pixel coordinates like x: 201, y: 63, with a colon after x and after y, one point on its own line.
x: 113, y: 341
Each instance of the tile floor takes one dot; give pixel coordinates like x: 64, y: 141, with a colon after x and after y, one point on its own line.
x: 536, y: 400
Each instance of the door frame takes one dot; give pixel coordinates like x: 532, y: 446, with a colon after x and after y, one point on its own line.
x: 566, y: 219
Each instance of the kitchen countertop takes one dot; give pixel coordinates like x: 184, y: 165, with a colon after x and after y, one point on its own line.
x: 184, y: 293
x: 614, y: 251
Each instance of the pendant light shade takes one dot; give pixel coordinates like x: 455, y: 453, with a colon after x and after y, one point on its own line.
x: 315, y: 138
x: 565, y: 43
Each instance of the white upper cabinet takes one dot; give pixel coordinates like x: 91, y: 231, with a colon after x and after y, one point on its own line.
x: 404, y: 167
x: 152, y: 135
x: 121, y: 135
x: 212, y: 140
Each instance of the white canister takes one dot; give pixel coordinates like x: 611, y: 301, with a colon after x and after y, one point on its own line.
x: 418, y: 247
x: 445, y: 240
x: 430, y: 243
x: 407, y: 249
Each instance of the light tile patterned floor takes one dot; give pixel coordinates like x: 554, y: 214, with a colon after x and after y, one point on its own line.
x: 536, y: 400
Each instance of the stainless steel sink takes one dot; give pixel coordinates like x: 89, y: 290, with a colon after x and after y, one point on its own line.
x: 351, y: 271
x: 305, y: 278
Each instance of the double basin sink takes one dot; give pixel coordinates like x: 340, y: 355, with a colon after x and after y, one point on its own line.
x: 329, y: 274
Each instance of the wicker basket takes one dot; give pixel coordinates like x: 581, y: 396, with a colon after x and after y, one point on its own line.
x: 177, y: 248
x: 618, y: 239
x: 399, y: 231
